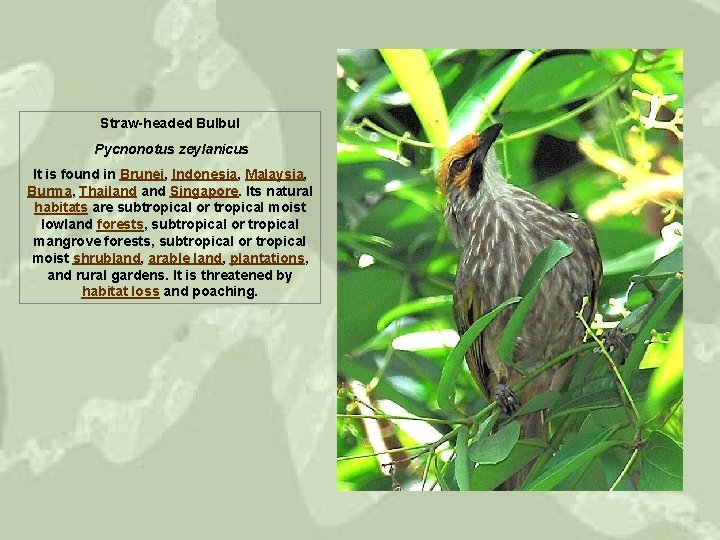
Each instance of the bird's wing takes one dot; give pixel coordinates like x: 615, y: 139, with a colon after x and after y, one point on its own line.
x: 466, y: 309
x: 590, y: 251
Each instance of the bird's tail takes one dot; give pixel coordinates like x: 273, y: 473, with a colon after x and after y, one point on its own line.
x: 531, y: 426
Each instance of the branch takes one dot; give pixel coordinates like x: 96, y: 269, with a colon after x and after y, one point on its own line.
x: 625, y: 470
x: 400, y: 140
x: 381, y: 452
x: 560, y: 119
x: 398, y: 417
x: 623, y: 390
x: 534, y: 375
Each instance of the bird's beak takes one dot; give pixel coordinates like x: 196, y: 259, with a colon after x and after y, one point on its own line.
x: 487, y: 138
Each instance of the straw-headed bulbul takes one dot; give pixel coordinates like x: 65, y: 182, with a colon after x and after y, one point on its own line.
x: 501, y: 229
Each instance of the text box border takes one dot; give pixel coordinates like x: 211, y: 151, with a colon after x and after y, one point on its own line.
x: 319, y: 112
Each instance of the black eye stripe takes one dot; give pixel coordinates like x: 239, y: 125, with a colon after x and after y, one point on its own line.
x: 476, y: 178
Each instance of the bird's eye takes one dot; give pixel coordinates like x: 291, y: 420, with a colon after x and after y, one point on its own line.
x: 458, y: 165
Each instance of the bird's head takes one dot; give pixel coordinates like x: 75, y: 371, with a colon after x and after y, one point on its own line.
x: 470, y: 166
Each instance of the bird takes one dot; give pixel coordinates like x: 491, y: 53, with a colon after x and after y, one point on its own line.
x: 501, y: 229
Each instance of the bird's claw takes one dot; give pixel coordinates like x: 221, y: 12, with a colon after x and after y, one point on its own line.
x: 507, y: 400
x: 616, y: 340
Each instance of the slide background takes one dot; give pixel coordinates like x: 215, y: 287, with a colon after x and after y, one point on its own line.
x: 179, y: 421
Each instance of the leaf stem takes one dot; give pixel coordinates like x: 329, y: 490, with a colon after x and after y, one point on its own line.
x: 552, y: 363
x: 392, y: 263
x: 400, y: 417
x: 404, y: 291
x: 624, y: 392
x: 626, y: 469
x: 400, y: 139
x: 668, y: 412
x: 565, y: 425
x: 613, y: 106
x: 356, y: 399
x: 534, y: 375
x: 439, y: 282
x: 427, y: 469
x: 381, y: 452
x: 494, y: 96
x: 572, y: 114
x: 439, y: 475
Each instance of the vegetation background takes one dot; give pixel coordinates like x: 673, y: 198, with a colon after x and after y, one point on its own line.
x: 596, y: 132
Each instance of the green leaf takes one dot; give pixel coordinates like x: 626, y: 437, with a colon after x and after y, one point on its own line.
x: 479, y: 102
x: 613, y: 462
x: 669, y: 59
x: 556, y: 82
x: 427, y: 199
x: 355, y: 325
x: 385, y: 389
x: 575, y: 454
x: 598, y: 393
x: 488, y: 477
x: 414, y: 306
x: 662, y: 461
x: 462, y: 465
x: 352, y: 237
x: 486, y: 427
x: 496, y: 447
x: 539, y: 403
x: 358, y: 62
x: 449, y: 483
x: 591, y: 477
x: 664, y: 300
x: 543, y: 263
x: 442, y: 264
x: 384, y: 339
x: 377, y: 82
x: 362, y: 153
x: 517, y: 160
x: 631, y: 261
x: 569, y: 130
x: 354, y: 472
x: 670, y: 263
x: 357, y: 180
x: 399, y: 221
x: 453, y: 364
x: 666, y: 385
x: 616, y: 60
x: 551, y: 191
x: 415, y: 76
x: 444, y: 486
x: 661, y: 82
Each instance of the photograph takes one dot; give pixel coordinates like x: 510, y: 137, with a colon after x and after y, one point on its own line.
x: 509, y: 270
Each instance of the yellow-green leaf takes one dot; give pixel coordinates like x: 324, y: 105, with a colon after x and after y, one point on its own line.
x: 667, y: 381
x: 416, y: 77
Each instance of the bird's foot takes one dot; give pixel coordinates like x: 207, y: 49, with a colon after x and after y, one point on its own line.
x: 616, y: 343
x: 507, y: 400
